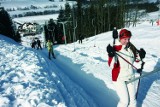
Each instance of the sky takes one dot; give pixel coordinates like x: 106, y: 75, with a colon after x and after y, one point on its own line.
x: 79, y: 76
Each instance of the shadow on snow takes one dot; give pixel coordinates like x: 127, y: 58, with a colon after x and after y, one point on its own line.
x: 96, y: 88
x: 149, y: 81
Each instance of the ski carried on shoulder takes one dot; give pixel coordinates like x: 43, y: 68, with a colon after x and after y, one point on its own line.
x: 143, y: 75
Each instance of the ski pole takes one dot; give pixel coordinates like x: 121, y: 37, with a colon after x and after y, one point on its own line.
x: 143, y: 75
x: 126, y: 61
x: 139, y: 70
x: 139, y: 79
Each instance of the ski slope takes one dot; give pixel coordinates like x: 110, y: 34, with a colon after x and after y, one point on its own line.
x: 79, y: 78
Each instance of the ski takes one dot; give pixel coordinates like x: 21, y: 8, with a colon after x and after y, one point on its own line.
x: 143, y: 75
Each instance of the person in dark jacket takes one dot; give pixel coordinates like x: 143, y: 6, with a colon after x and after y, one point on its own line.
x: 80, y: 38
x: 115, y: 34
x: 33, y: 44
x: 39, y: 44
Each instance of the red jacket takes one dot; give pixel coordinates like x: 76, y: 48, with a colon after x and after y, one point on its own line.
x: 121, y: 70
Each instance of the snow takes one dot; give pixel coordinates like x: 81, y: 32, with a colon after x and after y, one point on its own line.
x: 29, y: 79
x: 41, y: 5
x: 79, y: 76
x: 27, y: 3
x: 41, y: 19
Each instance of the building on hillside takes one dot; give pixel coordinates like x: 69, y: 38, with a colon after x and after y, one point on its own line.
x: 29, y: 28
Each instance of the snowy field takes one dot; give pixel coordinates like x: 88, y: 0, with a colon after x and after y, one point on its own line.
x: 41, y: 5
x: 15, y: 4
x: 23, y: 6
x: 38, y: 19
x: 78, y: 77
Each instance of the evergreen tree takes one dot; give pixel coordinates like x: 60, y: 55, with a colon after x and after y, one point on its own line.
x: 68, y: 24
x: 51, y: 30
x: 46, y: 32
x: 64, y: 18
x: 60, y: 18
x: 79, y: 17
x: 97, y: 16
x: 6, y: 25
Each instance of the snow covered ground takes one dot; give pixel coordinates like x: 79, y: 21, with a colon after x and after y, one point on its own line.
x: 78, y: 77
x: 21, y: 7
x: 93, y: 60
x: 38, y: 19
x: 29, y: 79
x: 15, y: 4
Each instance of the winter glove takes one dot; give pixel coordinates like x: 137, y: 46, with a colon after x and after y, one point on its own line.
x: 111, y: 51
x: 139, y: 70
x: 142, y: 53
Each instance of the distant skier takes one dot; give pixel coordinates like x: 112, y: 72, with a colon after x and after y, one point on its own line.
x: 122, y: 71
x: 80, y: 38
x: 33, y: 44
x: 50, y: 49
x: 115, y: 34
x: 39, y: 44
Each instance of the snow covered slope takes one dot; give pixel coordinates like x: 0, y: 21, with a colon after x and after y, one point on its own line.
x: 93, y: 60
x: 79, y: 78
x: 28, y: 79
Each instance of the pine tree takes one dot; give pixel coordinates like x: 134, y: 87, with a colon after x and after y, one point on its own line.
x: 59, y: 26
x: 6, y: 22
x: 64, y: 19
x: 51, y: 29
x: 68, y: 25
x: 79, y: 17
x: 6, y: 25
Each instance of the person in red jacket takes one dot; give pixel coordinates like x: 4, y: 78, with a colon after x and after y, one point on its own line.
x: 123, y: 71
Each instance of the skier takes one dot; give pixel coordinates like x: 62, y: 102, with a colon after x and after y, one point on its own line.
x: 50, y: 49
x: 123, y: 71
x: 114, y: 34
x: 80, y: 38
x: 33, y: 44
x: 39, y: 44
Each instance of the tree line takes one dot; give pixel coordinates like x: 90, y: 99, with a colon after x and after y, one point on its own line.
x: 85, y: 18
x: 98, y: 16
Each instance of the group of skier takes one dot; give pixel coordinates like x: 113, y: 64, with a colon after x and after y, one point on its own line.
x: 121, y: 57
x: 36, y: 44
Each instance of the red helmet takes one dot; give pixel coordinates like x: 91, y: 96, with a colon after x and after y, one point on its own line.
x: 124, y: 33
